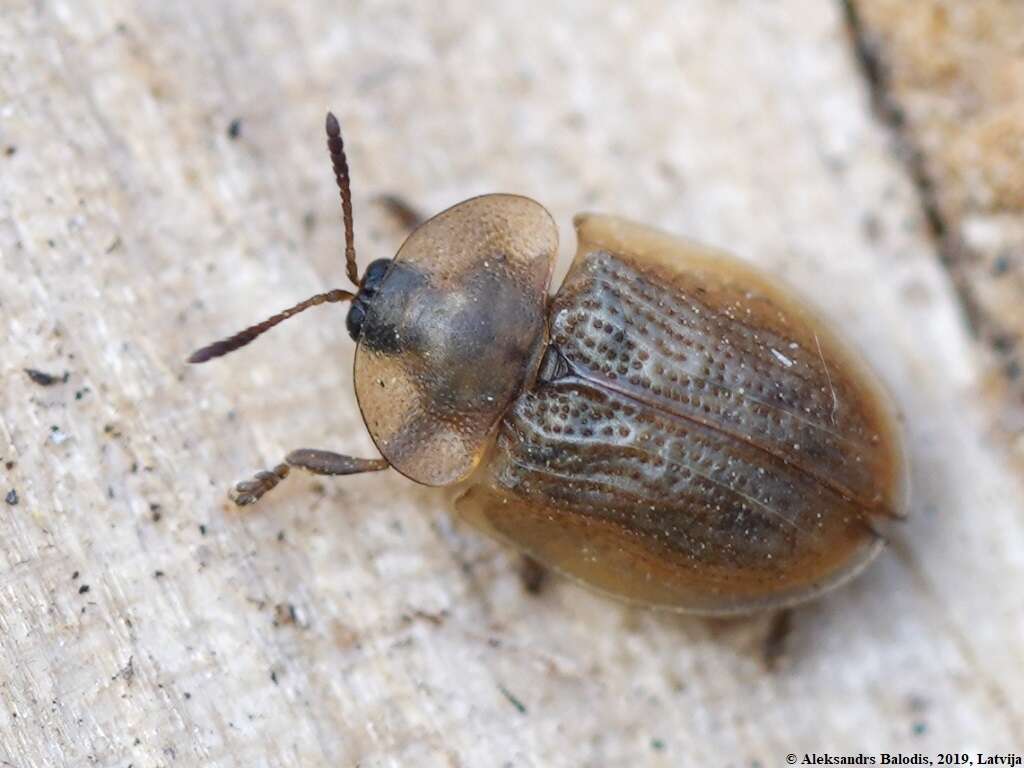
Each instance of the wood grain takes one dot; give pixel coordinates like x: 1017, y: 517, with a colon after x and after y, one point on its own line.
x: 948, y: 78
x: 164, y: 182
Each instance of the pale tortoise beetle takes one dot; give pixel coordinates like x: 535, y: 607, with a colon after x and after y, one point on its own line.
x: 672, y: 427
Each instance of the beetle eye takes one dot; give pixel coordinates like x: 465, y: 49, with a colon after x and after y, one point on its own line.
x: 354, y: 319
x: 372, y: 278
x: 374, y: 274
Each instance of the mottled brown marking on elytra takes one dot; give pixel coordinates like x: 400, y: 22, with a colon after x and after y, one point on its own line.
x: 696, y: 437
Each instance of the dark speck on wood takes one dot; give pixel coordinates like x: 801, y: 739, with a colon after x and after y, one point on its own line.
x: 45, y: 379
x: 515, y: 702
x: 1001, y: 265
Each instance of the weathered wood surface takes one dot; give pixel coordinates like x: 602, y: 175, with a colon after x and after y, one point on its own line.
x: 145, y: 622
x: 949, y: 80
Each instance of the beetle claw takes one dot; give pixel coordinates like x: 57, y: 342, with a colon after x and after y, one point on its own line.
x: 241, y: 497
x: 250, y: 491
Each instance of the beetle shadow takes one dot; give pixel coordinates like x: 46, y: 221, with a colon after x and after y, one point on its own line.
x: 892, y: 598
x: 773, y: 640
x: 882, y: 602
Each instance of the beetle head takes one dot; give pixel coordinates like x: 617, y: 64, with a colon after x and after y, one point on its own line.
x: 451, y: 332
x: 447, y: 332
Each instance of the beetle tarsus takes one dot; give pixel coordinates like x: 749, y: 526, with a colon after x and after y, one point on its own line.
x: 318, y: 462
x: 250, y: 491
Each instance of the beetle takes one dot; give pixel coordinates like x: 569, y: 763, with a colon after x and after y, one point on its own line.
x: 672, y: 427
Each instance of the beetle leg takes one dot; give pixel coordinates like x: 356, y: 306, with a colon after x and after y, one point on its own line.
x: 330, y: 463
x: 407, y: 215
x: 312, y: 460
x: 532, y: 574
x: 775, y: 641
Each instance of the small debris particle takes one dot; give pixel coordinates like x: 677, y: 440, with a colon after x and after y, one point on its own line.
x: 12, y: 497
x: 309, y: 221
x: 1001, y: 265
x: 9, y: 465
x: 10, y: 150
x: 437, y: 619
x: 872, y: 227
x: 155, y: 513
x: 782, y: 358
x: 520, y: 707
x: 83, y: 589
x: 188, y: 695
x: 657, y: 744
x: 273, y: 676
x: 79, y: 394
x: 74, y: 576
x: 127, y: 672
x: 235, y: 128
x: 280, y: 535
x: 158, y: 574
x: 1003, y: 343
x: 919, y: 729
x: 202, y: 529
x: 114, y: 244
x: 285, y: 613
x: 44, y: 379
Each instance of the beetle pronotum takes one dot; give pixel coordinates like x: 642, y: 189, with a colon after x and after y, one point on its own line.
x: 672, y: 426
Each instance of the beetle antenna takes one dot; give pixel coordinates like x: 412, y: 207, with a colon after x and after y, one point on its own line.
x: 242, y: 338
x: 337, y: 149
